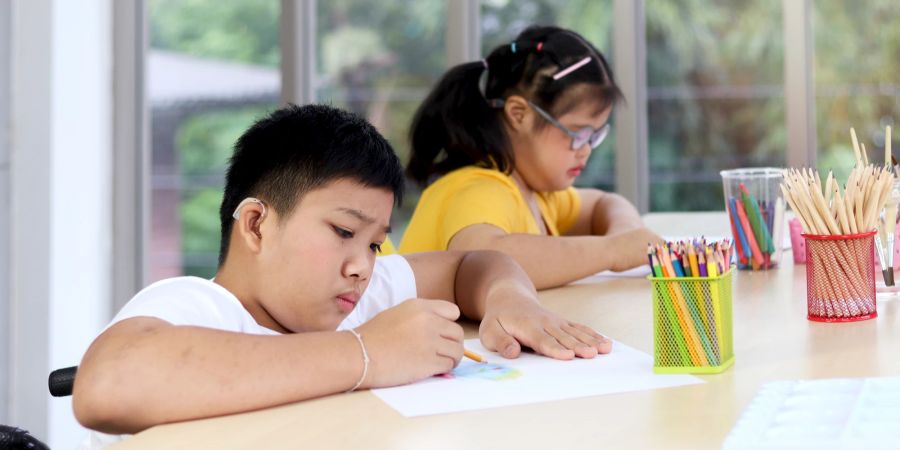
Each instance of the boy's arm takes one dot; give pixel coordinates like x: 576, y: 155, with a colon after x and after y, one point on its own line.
x: 489, y: 286
x: 552, y: 261
x: 144, y: 371
x: 604, y: 213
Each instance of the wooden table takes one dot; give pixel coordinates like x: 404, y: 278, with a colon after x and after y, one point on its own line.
x: 772, y: 340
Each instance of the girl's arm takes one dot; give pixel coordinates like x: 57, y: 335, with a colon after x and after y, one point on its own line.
x: 552, y: 261
x: 604, y: 213
x: 491, y: 287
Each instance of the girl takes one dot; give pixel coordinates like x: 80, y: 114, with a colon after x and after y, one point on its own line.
x: 502, y: 140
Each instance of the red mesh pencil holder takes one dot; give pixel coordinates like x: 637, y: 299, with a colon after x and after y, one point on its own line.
x: 840, y: 280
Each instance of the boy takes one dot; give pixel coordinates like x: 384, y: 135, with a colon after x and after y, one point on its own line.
x: 308, y: 197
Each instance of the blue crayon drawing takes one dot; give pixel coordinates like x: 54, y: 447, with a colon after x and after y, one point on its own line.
x: 493, y: 372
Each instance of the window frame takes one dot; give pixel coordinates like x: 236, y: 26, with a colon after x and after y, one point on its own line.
x: 5, y: 188
x: 463, y: 43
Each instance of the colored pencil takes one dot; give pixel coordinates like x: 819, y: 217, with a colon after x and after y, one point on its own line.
x: 474, y: 356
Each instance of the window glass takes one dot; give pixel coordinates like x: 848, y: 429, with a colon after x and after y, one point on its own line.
x: 207, y: 81
x: 715, y: 93
x: 379, y: 59
x: 856, y: 75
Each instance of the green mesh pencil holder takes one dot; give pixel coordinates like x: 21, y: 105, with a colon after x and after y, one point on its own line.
x: 692, y: 329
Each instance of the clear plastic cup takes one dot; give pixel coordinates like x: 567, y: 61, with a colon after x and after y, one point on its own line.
x: 755, y: 209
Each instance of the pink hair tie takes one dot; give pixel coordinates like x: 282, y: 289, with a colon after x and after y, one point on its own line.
x: 540, y: 45
x: 571, y: 68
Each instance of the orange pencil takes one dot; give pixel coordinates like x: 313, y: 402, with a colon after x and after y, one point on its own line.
x: 692, y: 258
x: 756, y: 256
x: 474, y: 356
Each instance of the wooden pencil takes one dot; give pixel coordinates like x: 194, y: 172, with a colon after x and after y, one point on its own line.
x: 474, y: 356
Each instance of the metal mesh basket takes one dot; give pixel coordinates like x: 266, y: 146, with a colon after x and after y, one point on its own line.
x: 692, y: 329
x: 840, y: 277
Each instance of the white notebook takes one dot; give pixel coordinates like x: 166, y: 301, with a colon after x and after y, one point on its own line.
x: 827, y: 414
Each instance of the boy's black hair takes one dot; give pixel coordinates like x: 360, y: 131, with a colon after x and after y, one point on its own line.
x: 300, y: 148
x: 456, y: 126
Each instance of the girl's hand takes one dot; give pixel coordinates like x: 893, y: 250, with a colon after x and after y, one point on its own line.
x: 507, y: 328
x: 629, y: 249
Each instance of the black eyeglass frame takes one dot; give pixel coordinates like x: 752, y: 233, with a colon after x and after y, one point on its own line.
x: 586, y: 135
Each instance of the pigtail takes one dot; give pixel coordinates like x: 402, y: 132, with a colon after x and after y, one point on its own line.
x: 455, y: 127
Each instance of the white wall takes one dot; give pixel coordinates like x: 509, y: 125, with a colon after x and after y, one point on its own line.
x: 30, y: 213
x: 81, y: 190
x: 61, y: 191
x: 4, y: 208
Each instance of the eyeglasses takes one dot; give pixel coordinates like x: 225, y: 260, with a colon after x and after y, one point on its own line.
x: 586, y: 135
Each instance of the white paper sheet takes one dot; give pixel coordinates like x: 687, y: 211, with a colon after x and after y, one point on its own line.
x: 709, y: 239
x: 785, y: 241
x: 642, y: 271
x: 539, y: 379
x: 637, y: 272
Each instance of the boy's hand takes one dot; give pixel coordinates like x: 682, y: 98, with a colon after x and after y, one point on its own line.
x: 411, y: 341
x: 506, y: 329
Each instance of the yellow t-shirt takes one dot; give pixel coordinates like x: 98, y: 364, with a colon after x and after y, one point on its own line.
x: 473, y: 195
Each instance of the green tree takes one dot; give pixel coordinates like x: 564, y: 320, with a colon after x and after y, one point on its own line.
x: 233, y: 30
x: 204, y: 143
x: 237, y: 31
x: 856, y: 75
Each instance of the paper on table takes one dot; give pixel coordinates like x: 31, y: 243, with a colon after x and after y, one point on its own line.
x: 637, y: 272
x: 644, y: 271
x: 785, y: 242
x: 528, y: 379
x: 640, y: 271
x: 709, y: 239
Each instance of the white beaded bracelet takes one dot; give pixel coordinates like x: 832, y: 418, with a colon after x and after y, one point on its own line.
x: 365, y: 359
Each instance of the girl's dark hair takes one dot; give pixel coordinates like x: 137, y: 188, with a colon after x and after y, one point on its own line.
x: 457, y: 124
